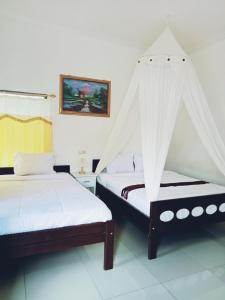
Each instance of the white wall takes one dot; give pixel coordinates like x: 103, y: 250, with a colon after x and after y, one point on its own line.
x: 187, y: 153
x: 33, y: 55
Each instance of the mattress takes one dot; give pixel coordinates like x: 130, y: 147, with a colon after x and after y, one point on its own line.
x: 138, y: 199
x: 38, y: 202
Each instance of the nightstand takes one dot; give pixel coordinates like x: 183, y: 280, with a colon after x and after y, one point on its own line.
x: 88, y: 180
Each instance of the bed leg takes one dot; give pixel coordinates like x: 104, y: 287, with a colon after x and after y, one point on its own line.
x: 152, y: 243
x: 153, y: 236
x: 108, y: 245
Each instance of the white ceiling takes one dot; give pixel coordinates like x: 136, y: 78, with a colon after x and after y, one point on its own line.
x: 131, y: 22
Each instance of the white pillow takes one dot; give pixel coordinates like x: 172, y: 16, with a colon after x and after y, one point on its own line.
x: 123, y: 163
x: 33, y: 164
x: 138, y: 162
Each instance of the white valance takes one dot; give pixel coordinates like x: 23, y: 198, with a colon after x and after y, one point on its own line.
x: 24, y: 106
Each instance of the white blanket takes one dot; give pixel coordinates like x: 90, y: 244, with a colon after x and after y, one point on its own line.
x: 37, y: 202
x: 137, y: 198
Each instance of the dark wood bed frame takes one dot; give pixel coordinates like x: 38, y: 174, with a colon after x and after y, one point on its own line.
x: 153, y: 225
x: 44, y: 241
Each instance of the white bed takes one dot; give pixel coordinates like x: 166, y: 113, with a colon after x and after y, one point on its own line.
x: 137, y: 198
x: 38, y: 202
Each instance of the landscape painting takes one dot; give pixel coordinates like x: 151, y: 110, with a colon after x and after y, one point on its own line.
x: 84, y: 96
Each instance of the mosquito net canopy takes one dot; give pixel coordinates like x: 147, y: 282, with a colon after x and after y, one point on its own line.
x: 163, y: 78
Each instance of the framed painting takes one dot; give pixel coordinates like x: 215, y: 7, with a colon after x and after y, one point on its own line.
x: 84, y: 96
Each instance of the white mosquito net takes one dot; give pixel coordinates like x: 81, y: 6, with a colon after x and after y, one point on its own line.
x: 164, y: 77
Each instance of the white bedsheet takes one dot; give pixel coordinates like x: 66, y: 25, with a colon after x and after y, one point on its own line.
x: 37, y: 202
x: 137, y: 198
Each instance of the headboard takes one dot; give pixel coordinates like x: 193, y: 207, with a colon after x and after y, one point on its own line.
x: 59, y: 168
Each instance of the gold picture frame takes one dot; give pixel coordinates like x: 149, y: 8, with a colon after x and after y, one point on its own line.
x: 84, y: 96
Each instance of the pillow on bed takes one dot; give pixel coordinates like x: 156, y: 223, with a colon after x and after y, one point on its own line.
x: 138, y: 162
x: 33, y: 164
x: 123, y: 163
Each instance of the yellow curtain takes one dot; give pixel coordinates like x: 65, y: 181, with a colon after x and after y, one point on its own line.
x: 33, y: 135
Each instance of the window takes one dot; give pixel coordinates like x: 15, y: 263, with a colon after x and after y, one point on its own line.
x: 23, y: 133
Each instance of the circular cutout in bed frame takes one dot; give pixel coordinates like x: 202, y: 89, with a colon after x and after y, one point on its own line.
x: 197, y: 211
x: 166, y: 216
x: 222, y: 207
x: 211, y: 209
x: 182, y: 213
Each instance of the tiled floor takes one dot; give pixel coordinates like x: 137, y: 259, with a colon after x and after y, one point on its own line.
x: 189, y: 266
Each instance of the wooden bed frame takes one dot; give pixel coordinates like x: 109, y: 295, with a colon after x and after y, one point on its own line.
x: 154, y: 225
x: 44, y: 241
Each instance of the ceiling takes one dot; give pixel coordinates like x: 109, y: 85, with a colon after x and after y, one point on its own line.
x: 134, y: 23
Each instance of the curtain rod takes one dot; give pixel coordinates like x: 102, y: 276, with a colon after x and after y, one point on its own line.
x: 45, y: 96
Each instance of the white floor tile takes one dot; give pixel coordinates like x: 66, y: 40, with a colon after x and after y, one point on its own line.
x: 52, y: 260
x: 221, y: 241
x: 207, y: 252
x: 135, y: 241
x: 155, y: 292
x: 219, y: 272
x: 122, y: 279
x: 95, y: 253
x: 200, y: 286
x: 170, y: 266
x: 63, y: 283
x: 178, y: 241
x: 127, y: 275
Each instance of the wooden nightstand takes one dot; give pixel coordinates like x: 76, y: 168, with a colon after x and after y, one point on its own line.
x: 88, y: 180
